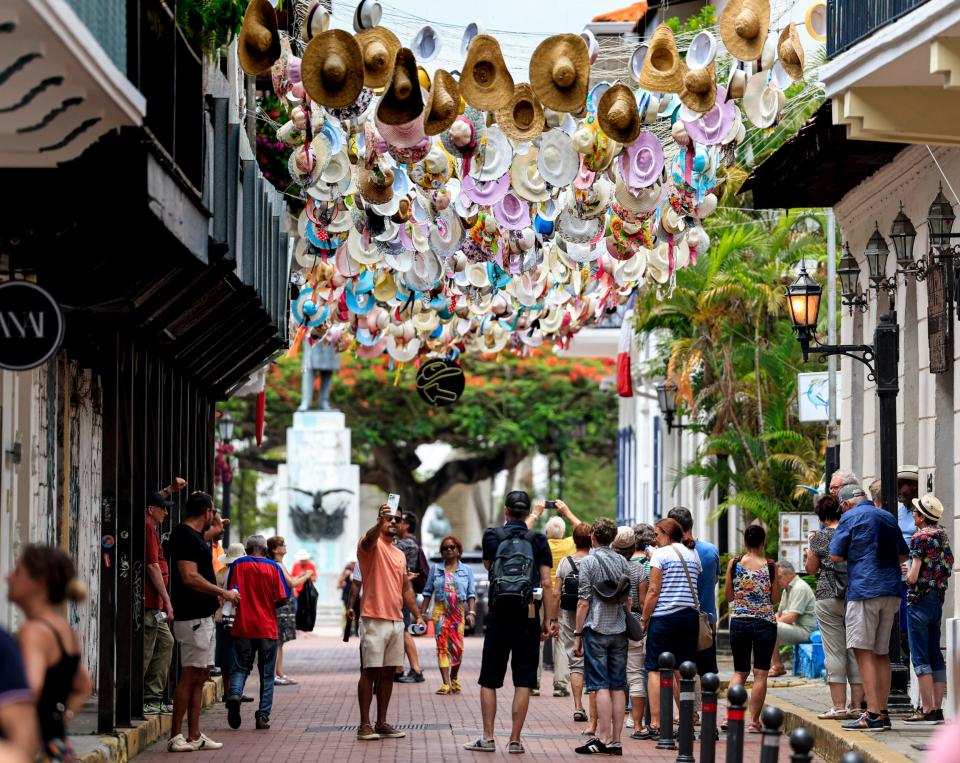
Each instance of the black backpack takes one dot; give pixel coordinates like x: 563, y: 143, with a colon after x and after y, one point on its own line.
x: 307, y: 607
x: 570, y: 593
x: 513, y: 574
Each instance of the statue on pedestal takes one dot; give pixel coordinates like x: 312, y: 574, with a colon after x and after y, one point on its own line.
x: 439, y: 526
x: 318, y: 356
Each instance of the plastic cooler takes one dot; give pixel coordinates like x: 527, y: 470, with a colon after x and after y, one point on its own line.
x: 808, y: 660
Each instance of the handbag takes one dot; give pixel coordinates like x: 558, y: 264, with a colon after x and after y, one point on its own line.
x: 705, y: 630
x: 634, y: 628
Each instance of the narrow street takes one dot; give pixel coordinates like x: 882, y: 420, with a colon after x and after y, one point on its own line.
x: 317, y: 719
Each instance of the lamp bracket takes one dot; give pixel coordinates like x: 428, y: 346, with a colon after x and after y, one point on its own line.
x: 861, y: 352
x: 918, y: 269
x: 859, y: 302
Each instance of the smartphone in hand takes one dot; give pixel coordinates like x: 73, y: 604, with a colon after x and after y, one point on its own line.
x: 393, y: 501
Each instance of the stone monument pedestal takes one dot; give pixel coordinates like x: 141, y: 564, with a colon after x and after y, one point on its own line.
x: 318, y: 502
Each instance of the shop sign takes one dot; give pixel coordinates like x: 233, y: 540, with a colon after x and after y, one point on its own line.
x: 440, y: 382
x: 31, y: 325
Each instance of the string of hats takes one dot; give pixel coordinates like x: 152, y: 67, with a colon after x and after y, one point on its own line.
x: 469, y: 212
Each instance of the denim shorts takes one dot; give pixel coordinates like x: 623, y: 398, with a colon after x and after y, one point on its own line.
x: 752, y: 635
x: 923, y: 626
x: 604, y: 661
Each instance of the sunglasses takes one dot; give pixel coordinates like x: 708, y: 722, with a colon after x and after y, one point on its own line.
x: 448, y: 548
x: 392, y: 519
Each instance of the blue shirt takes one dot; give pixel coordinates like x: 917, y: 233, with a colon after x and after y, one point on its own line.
x: 707, y: 579
x: 907, y: 525
x: 462, y: 579
x: 13, y: 678
x: 871, y: 542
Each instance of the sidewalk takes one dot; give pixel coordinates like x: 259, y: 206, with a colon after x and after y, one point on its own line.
x: 317, y: 718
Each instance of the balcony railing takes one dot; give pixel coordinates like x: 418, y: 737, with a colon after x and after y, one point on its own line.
x: 850, y: 21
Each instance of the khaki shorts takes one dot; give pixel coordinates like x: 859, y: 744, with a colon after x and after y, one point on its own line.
x: 381, y: 643
x: 568, y: 624
x: 196, y: 640
x: 869, y: 623
x: 636, y: 675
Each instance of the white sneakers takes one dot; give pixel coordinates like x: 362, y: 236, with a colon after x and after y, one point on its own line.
x: 179, y: 743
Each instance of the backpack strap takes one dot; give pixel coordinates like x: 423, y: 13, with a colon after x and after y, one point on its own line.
x: 573, y: 563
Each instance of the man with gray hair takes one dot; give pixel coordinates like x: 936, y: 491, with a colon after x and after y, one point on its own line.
x: 262, y: 587
x: 842, y: 478
x: 796, y: 615
x: 876, y: 493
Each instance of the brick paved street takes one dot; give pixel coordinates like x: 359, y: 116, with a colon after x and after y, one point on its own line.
x: 307, y: 719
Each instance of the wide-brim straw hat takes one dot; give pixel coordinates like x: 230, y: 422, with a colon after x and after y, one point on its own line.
x: 234, y: 551
x: 376, y: 186
x: 790, y: 52
x: 522, y: 118
x: 379, y: 47
x: 402, y: 101
x: 560, y: 72
x: 495, y: 157
x: 618, y: 115
x: 332, y: 69
x: 930, y: 506
x: 699, y: 90
x: 486, y: 83
x: 557, y: 160
x: 743, y: 28
x: 443, y: 103
x: 259, y: 43
x: 761, y: 101
x: 662, y: 70
x: 526, y: 179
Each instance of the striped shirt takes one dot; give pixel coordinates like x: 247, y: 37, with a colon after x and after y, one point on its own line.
x: 675, y: 593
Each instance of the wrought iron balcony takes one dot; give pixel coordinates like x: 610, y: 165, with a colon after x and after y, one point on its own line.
x: 850, y: 21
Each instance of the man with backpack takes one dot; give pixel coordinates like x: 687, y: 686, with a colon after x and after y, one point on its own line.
x: 417, y: 571
x: 567, y: 592
x: 519, y: 562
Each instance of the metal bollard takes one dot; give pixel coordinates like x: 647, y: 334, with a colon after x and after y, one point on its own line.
x: 708, y: 717
x: 666, y: 742
x: 772, y: 718
x: 851, y: 757
x: 737, y: 701
x: 688, y: 696
x: 801, y: 742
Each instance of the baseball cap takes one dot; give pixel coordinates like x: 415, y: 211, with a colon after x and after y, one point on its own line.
x: 850, y: 492
x: 156, y: 499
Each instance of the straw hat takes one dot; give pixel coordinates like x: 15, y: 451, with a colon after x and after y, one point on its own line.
x: 816, y: 20
x: 557, y: 160
x: 790, y: 51
x: 662, y: 71
x: 259, y: 44
x: 761, y: 101
x: 316, y: 22
x: 522, y: 117
x: 743, y: 28
x: 443, y: 103
x: 376, y: 185
x: 234, y: 551
x: 402, y: 101
x: 495, y: 157
x: 332, y: 69
x: 930, y: 506
x: 618, y: 115
x: 699, y: 91
x: 426, y: 44
x: 486, y: 82
x: 560, y: 72
x: 525, y: 176
x: 379, y: 46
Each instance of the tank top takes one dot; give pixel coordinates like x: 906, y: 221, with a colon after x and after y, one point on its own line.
x: 752, y: 593
x: 57, y: 683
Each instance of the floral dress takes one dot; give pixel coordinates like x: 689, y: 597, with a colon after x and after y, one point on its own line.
x: 448, y: 613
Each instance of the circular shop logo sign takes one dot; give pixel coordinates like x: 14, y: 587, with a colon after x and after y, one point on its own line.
x: 440, y: 382
x: 31, y: 325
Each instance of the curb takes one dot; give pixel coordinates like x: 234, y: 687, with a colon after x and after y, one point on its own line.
x: 125, y: 743
x: 831, y: 743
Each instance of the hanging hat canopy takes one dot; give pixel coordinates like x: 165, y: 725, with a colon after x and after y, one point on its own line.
x: 402, y: 101
x: 332, y: 69
x: 379, y: 46
x: 560, y: 72
x: 790, y: 52
x: 259, y: 43
x: 443, y: 103
x: 522, y: 118
x: 486, y: 82
x: 662, y: 70
x: 617, y: 114
x: 743, y: 28
x: 699, y: 90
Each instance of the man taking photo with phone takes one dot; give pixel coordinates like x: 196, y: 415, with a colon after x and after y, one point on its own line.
x: 386, y: 590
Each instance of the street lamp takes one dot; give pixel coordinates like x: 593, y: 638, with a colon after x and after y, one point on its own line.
x: 226, y: 427
x: 667, y: 398
x: 940, y: 219
x: 904, y: 236
x: 881, y: 359
x: 849, y: 274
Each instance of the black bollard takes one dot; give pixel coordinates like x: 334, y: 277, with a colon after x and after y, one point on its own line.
x: 710, y: 683
x: 737, y: 701
x: 666, y: 741
x: 851, y: 757
x: 688, y: 697
x: 772, y: 718
x: 801, y: 742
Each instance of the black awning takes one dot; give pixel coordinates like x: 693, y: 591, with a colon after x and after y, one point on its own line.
x: 817, y: 166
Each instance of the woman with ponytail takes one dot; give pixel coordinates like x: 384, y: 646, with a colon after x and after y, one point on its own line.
x: 42, y: 581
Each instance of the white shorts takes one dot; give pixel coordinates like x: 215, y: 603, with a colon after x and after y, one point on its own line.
x: 196, y: 639
x: 381, y: 643
x: 869, y: 623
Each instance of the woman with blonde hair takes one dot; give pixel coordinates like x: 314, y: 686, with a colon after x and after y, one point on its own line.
x: 287, y: 614
x: 42, y: 580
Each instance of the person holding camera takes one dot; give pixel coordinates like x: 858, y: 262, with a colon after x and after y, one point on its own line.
x: 386, y: 589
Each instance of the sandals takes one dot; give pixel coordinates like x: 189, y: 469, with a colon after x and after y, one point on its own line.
x: 455, y: 686
x: 836, y: 714
x: 580, y: 716
x: 777, y: 672
x: 445, y: 689
x: 754, y: 728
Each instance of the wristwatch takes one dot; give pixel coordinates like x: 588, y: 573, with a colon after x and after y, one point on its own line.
x: 578, y: 635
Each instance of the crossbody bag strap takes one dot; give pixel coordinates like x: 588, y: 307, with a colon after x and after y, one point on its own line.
x: 686, y: 572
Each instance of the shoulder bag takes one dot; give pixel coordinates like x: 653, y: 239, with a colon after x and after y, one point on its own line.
x: 705, y: 630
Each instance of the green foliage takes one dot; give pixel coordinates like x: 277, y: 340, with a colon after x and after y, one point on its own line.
x: 210, y: 24
x: 705, y: 18
x: 590, y: 487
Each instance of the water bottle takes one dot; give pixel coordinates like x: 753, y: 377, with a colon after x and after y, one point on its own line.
x: 538, y: 594
x: 419, y: 599
x: 226, y: 613
x: 417, y: 629
x: 161, y: 617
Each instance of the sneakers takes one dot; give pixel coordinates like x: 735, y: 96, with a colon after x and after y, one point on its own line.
x: 366, y: 733
x: 263, y: 722
x: 629, y: 723
x: 481, y: 745
x: 179, y: 743
x: 206, y: 743
x: 233, y: 712
x: 516, y: 747
x: 152, y: 709
x: 865, y: 723
x: 455, y: 686
x: 411, y: 678
x: 561, y: 691
x: 615, y: 748
x: 386, y: 731
x: 920, y: 718
x: 593, y: 747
